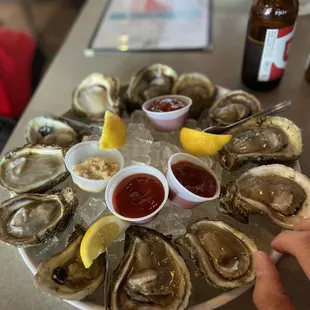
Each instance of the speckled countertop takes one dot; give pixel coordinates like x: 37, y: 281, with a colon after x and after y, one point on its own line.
x: 223, y: 65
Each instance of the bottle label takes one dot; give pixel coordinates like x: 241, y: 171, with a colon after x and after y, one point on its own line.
x: 275, y: 53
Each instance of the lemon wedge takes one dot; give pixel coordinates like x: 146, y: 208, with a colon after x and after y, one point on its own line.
x: 199, y: 143
x: 99, y: 236
x: 113, y: 132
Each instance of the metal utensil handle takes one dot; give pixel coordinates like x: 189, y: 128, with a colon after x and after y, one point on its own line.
x: 278, y: 107
x: 74, y: 122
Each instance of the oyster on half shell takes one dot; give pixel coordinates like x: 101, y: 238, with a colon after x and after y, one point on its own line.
x: 32, y: 169
x: 50, y: 131
x: 149, y: 82
x: 199, y: 88
x: 233, y: 107
x: 151, y: 275
x: 95, y: 95
x: 64, y: 275
x: 31, y: 219
x: 263, y: 140
x: 276, y: 191
x: 223, y: 254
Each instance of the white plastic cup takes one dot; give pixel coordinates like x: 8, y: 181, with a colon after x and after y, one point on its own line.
x: 81, y: 152
x: 123, y: 174
x: 181, y: 196
x: 168, y: 121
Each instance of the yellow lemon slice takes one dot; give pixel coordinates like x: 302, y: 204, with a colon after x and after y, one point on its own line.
x: 113, y: 131
x: 99, y: 236
x: 199, y: 143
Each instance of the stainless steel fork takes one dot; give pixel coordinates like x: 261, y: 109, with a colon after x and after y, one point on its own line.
x: 93, y: 128
x: 277, y: 108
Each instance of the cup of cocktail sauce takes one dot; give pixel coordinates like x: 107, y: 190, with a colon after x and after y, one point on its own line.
x: 190, y: 181
x: 137, y: 193
x: 167, y: 113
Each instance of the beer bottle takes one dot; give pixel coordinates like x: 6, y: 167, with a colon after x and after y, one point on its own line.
x: 269, y: 34
x: 307, y: 73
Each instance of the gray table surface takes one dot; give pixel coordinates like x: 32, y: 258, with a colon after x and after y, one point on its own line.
x: 223, y: 65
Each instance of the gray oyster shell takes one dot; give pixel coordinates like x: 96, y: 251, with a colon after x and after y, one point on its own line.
x: 223, y: 254
x: 276, y: 191
x: 33, y: 169
x: 95, y: 95
x: 50, y: 131
x: 149, y: 82
x: 270, y: 139
x: 152, y: 274
x: 31, y: 219
x: 64, y: 275
x: 233, y: 107
x: 199, y: 88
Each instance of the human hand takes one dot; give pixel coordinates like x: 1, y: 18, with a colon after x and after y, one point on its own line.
x: 269, y: 293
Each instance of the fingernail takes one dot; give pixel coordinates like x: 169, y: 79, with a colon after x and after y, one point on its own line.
x: 259, y: 264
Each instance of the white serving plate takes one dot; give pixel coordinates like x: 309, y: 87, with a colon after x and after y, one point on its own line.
x: 204, y: 297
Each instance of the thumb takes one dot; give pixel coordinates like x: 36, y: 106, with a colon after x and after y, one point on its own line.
x: 269, y: 292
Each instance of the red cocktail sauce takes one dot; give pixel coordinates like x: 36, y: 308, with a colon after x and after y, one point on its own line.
x: 166, y: 105
x: 194, y: 178
x: 138, y: 195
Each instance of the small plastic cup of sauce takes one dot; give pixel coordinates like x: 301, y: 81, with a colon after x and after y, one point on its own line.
x: 81, y: 152
x: 137, y: 193
x: 167, y: 113
x: 190, y: 181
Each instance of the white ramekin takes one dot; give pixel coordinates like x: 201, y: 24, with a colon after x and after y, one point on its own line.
x: 126, y: 172
x: 168, y: 121
x: 178, y: 193
x: 82, y: 151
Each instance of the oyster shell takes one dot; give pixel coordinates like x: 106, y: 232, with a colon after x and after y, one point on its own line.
x: 223, y: 254
x: 50, y: 131
x: 278, y: 192
x: 64, y: 275
x: 263, y: 140
x: 233, y: 107
x: 32, y: 168
x: 151, y: 275
x: 32, y: 219
x: 95, y: 95
x: 199, y: 88
x: 149, y: 82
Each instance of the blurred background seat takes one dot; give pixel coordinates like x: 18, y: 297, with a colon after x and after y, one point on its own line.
x: 48, y: 21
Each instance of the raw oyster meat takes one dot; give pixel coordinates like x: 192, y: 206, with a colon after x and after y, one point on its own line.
x: 32, y: 168
x: 95, y: 95
x: 278, y: 192
x: 32, y: 219
x: 199, y: 88
x: 50, y: 131
x: 151, y: 275
x: 233, y: 107
x: 223, y: 254
x: 262, y: 140
x: 149, y: 82
x: 64, y: 275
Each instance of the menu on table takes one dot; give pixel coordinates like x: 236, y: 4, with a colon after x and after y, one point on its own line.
x: 152, y: 25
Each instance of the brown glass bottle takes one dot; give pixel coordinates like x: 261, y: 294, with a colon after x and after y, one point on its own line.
x: 307, y: 72
x: 269, y: 34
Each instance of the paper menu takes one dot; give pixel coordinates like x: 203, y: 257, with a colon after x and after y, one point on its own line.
x: 153, y: 25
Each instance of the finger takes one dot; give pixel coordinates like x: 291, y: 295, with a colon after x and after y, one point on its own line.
x: 268, y: 292
x: 303, y: 225
x: 296, y: 243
